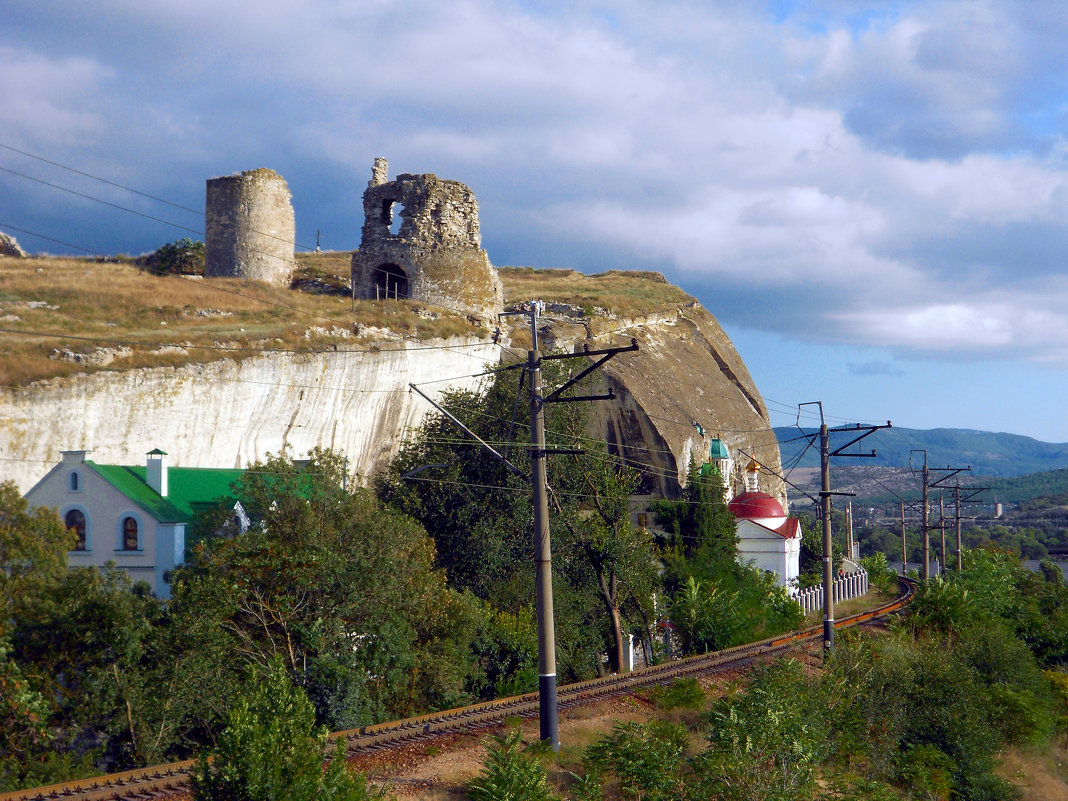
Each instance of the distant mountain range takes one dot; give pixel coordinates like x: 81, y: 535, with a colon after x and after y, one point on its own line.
x: 987, y: 453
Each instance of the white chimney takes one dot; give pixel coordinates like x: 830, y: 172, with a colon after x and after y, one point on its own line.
x: 156, y: 471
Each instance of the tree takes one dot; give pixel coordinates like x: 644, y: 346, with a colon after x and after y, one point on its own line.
x: 340, y: 588
x: 480, y: 516
x: 602, y: 536
x: 33, y: 552
x: 271, y: 749
x: 91, y: 647
x: 700, y: 524
x: 715, y: 602
x: 23, y: 721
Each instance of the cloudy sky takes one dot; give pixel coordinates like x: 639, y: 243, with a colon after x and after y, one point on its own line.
x: 870, y: 196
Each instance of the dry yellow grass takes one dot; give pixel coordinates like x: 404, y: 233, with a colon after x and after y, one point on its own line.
x: 627, y: 294
x: 54, y: 310
x: 49, y: 306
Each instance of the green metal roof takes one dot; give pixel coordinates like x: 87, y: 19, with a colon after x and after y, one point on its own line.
x: 189, y: 488
x: 718, y: 450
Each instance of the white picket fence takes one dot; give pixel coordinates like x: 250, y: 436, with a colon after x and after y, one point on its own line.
x: 851, y: 585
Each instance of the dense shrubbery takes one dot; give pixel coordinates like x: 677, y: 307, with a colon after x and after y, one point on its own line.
x: 342, y: 590
x: 271, y: 749
x: 920, y: 713
x: 715, y: 602
x: 479, y: 516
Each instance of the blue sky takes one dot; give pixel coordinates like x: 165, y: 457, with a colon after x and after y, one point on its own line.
x: 871, y: 197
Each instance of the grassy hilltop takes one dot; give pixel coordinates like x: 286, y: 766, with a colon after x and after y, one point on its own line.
x: 60, y: 316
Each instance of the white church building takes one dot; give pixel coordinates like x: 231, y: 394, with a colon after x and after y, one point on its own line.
x: 767, y: 536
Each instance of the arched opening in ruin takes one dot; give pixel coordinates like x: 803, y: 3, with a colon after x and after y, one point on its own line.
x: 390, y: 282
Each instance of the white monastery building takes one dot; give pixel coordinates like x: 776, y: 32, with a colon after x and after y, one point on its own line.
x: 767, y: 537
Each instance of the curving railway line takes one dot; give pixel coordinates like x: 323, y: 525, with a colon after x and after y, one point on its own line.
x: 162, y: 781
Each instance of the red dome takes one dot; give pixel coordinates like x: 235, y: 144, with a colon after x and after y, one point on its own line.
x: 755, y: 505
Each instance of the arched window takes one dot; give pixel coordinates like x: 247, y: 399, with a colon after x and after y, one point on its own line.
x: 390, y: 282
x: 76, y: 520
x: 129, y: 534
x: 74, y: 486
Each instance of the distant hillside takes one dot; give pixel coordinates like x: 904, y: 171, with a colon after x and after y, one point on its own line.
x: 881, y: 486
x: 987, y: 453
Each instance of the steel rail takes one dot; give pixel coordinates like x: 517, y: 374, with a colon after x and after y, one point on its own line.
x: 162, y: 781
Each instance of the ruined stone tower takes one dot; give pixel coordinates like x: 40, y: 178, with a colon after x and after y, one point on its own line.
x: 421, y: 241
x: 249, y: 227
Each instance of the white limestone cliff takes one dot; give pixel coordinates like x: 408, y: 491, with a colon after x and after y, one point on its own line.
x: 231, y: 413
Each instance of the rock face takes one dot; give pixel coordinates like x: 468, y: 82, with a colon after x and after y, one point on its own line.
x: 684, y: 387
x: 434, y: 254
x: 9, y: 247
x: 228, y: 414
x: 249, y: 227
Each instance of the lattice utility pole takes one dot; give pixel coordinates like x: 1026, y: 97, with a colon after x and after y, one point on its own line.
x: 825, y: 505
x: 973, y: 491
x: 928, y: 485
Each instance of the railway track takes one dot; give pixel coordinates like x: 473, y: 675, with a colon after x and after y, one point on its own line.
x: 162, y: 781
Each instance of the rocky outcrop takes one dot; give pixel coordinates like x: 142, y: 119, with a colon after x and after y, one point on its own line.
x: 9, y: 247
x: 684, y: 387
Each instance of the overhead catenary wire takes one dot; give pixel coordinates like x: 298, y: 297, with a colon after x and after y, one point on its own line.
x: 101, y: 180
x: 125, y: 188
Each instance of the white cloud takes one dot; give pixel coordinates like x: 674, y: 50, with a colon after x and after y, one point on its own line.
x: 49, y: 99
x: 885, y: 160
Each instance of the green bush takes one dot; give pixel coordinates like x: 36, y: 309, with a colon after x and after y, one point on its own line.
x: 183, y: 257
x: 511, y: 773
x: 764, y: 743
x: 880, y: 576
x: 271, y: 750
x: 646, y: 760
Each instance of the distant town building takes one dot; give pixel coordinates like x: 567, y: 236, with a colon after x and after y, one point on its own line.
x: 133, y: 516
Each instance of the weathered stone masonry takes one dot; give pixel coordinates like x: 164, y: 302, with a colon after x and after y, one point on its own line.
x: 249, y: 227
x: 436, y: 253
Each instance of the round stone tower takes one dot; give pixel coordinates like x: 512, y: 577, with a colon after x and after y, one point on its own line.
x: 249, y: 227
x: 421, y: 241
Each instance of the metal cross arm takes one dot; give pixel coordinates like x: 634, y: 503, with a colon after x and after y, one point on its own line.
x: 973, y: 491
x: 950, y: 472
x: 858, y: 427
x: 611, y: 395
x: 605, y: 354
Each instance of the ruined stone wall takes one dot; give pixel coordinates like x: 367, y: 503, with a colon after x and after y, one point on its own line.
x: 436, y: 253
x: 249, y: 227
x: 9, y: 247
